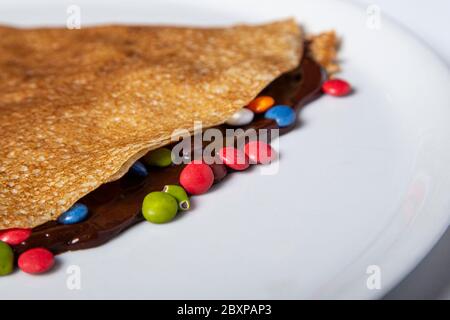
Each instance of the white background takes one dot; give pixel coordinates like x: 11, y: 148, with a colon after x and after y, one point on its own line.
x: 430, y: 21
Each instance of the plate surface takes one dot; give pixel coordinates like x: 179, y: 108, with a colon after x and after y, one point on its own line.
x: 362, y: 188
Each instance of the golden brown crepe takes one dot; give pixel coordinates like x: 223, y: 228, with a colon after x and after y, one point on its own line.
x: 78, y: 107
x: 323, y: 49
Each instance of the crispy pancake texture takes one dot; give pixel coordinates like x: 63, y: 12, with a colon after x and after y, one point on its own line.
x: 78, y: 107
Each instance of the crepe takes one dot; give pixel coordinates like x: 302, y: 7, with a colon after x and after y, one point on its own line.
x: 323, y: 49
x: 78, y: 107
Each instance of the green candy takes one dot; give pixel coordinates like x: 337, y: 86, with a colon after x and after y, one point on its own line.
x: 161, y: 157
x: 179, y: 194
x: 159, y: 207
x: 6, y: 259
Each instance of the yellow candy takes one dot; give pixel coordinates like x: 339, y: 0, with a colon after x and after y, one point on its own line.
x: 261, y: 104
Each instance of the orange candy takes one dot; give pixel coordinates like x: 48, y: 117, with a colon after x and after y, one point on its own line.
x: 261, y: 104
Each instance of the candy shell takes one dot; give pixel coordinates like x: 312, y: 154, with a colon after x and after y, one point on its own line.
x: 336, y: 87
x: 259, y: 152
x: 139, y: 169
x: 161, y: 157
x: 283, y: 115
x: 37, y: 260
x: 219, y: 171
x: 196, y: 178
x: 241, y: 117
x: 179, y: 194
x: 159, y: 207
x: 6, y: 259
x: 234, y: 158
x: 15, y: 236
x: 261, y: 104
x: 77, y: 213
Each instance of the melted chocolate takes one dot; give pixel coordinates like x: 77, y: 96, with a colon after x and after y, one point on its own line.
x: 116, y: 206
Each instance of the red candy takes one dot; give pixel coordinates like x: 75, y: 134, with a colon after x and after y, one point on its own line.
x: 15, y: 236
x: 37, y: 260
x: 234, y: 158
x: 336, y: 87
x: 196, y: 178
x: 259, y: 152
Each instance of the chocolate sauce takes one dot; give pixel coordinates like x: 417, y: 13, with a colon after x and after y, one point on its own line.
x: 116, y: 206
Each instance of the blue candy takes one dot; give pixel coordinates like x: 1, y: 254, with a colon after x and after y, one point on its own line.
x: 77, y: 213
x: 283, y: 115
x: 139, y: 169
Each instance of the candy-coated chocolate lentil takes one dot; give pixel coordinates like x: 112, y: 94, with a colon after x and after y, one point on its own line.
x: 241, y: 117
x: 6, y: 259
x: 234, y: 158
x: 196, y: 178
x: 37, y: 260
x: 179, y: 194
x: 336, y: 87
x: 139, y: 169
x: 259, y: 152
x: 15, y: 236
x: 159, y: 207
x: 219, y: 171
x: 261, y: 104
x: 283, y: 115
x: 77, y: 213
x: 161, y: 157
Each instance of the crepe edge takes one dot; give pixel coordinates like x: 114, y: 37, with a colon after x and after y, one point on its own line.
x: 323, y: 48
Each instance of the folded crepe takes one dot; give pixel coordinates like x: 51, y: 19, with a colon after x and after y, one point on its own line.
x: 78, y: 107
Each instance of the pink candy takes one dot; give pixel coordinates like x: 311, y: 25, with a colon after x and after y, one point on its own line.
x: 37, y: 260
x: 196, y: 178
x: 259, y: 152
x: 15, y: 236
x: 234, y: 158
x: 336, y: 87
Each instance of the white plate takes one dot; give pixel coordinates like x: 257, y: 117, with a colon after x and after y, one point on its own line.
x: 364, y: 182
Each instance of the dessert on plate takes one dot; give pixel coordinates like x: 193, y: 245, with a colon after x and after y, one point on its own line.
x: 90, y: 117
